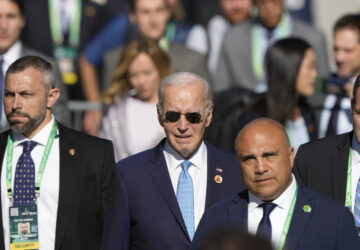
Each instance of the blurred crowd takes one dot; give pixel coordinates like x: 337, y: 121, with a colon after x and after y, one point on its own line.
x: 262, y: 59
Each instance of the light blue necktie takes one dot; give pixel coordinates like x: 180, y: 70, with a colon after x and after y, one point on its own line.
x: 185, y: 198
x: 357, y: 206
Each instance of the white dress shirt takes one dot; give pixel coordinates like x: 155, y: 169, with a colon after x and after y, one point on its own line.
x: 10, y: 56
x: 49, y: 190
x: 277, y: 216
x: 197, y: 171
x: 355, y: 171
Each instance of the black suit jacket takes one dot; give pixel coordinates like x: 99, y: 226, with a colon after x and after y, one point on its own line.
x: 322, y: 165
x: 143, y: 211
x: 94, y: 16
x: 84, y: 176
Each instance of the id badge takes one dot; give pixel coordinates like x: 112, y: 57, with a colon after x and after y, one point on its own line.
x: 66, y: 58
x: 23, y: 227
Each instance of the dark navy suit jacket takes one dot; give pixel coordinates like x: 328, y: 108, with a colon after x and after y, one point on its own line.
x: 143, y: 212
x: 329, y: 225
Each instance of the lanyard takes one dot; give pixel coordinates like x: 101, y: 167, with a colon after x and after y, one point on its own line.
x: 282, y: 31
x: 44, y: 159
x: 170, y: 31
x: 348, y: 199
x: 286, y: 226
x: 55, y: 24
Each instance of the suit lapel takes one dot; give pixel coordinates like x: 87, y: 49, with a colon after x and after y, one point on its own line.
x: 238, y: 213
x: 70, y: 179
x: 216, y: 175
x: 158, y: 170
x: 300, y: 219
x: 3, y: 143
x: 339, y: 166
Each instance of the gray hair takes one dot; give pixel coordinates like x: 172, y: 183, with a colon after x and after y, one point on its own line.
x: 36, y: 62
x: 184, y: 79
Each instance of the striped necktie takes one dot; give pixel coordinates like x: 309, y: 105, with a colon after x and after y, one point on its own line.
x: 185, y: 197
x: 2, y: 83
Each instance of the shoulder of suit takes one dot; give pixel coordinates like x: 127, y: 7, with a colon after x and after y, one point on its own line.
x: 27, y: 51
x: 80, y: 136
x: 177, y: 49
x: 327, y: 141
x: 300, y: 27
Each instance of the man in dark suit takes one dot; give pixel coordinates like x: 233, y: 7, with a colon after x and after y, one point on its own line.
x: 148, y: 208
x: 330, y: 165
x: 11, y: 48
x: 72, y: 169
x: 275, y: 206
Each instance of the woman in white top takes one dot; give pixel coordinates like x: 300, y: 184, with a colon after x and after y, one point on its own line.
x: 131, y: 121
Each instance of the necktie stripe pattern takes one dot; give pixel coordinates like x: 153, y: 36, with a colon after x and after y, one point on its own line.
x: 24, y: 183
x: 357, y: 205
x: 264, y: 228
x: 185, y: 197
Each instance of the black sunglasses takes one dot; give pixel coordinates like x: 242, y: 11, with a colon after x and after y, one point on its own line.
x: 192, y: 117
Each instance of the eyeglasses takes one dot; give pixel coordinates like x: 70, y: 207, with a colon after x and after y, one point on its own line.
x: 192, y: 117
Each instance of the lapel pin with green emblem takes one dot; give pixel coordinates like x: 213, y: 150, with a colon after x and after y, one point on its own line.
x: 307, y: 208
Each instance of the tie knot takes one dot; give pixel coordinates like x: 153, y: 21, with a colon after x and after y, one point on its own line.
x: 185, y: 165
x: 268, y: 207
x: 28, y: 146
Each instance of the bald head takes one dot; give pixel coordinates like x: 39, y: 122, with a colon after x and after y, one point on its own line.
x: 265, y: 158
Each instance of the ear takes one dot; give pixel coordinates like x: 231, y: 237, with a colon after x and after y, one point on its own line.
x: 53, y: 95
x: 291, y: 156
x: 159, y: 117
x: 209, y: 116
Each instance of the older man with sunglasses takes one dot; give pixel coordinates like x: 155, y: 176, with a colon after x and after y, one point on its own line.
x: 158, y: 196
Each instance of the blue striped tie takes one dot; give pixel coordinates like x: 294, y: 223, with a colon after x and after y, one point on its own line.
x: 185, y: 198
x: 357, y: 206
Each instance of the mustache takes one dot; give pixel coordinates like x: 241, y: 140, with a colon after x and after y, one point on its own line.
x: 18, y: 113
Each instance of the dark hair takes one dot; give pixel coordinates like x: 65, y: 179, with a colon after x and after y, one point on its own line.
x: 355, y: 88
x: 36, y: 62
x: 20, y: 4
x: 282, y: 62
x: 233, y: 239
x: 132, y: 4
x: 349, y: 21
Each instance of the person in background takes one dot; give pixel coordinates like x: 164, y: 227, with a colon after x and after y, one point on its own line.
x: 275, y: 206
x: 291, y: 74
x: 150, y: 17
x: 131, y: 120
x: 61, y: 28
x: 336, y: 116
x: 242, y: 56
x: 331, y: 165
x: 209, y: 40
x: 12, y: 21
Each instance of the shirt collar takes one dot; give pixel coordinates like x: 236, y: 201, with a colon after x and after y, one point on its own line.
x: 40, y: 138
x: 283, y: 201
x: 12, y: 54
x: 176, y: 159
x: 355, y: 150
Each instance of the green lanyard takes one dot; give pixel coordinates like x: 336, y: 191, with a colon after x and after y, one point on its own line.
x: 348, y: 199
x: 170, y: 30
x: 44, y: 159
x: 286, y: 226
x: 55, y: 25
x: 257, y: 57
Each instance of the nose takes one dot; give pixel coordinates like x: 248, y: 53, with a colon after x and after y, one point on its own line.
x: 182, y: 124
x: 16, y: 104
x: 260, y: 167
x: 3, y: 24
